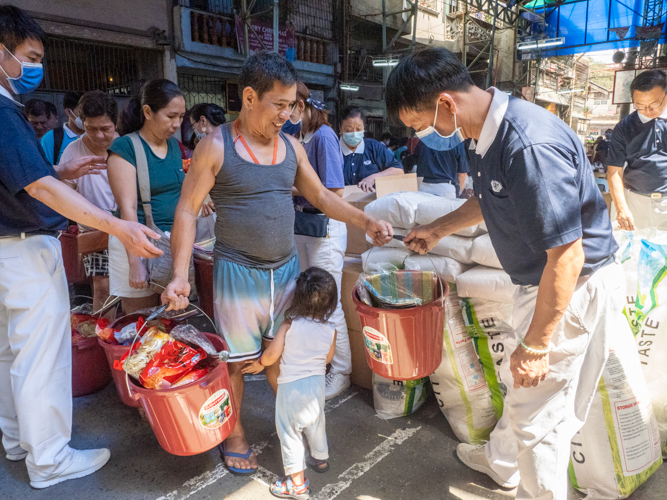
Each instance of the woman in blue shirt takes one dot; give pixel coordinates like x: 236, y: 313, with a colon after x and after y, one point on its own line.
x: 321, y: 241
x: 365, y: 159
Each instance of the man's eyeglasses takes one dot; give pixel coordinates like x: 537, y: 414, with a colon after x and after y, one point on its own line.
x: 652, y: 106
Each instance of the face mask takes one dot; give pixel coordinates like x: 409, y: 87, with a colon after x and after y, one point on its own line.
x: 292, y: 128
x: 433, y: 140
x: 29, y: 79
x: 608, y: 137
x: 200, y: 135
x: 78, y: 122
x: 353, y: 138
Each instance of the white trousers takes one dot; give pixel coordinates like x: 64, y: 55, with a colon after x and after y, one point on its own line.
x: 444, y: 189
x: 533, y: 436
x: 329, y: 254
x: 35, y: 354
x: 647, y: 211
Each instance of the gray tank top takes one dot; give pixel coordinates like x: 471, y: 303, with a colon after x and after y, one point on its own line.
x: 255, y: 213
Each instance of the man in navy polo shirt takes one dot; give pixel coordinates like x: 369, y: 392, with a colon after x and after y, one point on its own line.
x: 637, y: 159
x: 35, y: 334
x: 535, y: 190
x: 444, y: 173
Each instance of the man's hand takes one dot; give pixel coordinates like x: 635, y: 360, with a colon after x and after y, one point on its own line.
x: 380, y: 231
x: 367, y: 185
x: 134, y: 237
x: 176, y: 294
x: 528, y: 369
x: 79, y: 167
x: 138, y: 276
x: 422, y: 239
x: 252, y: 367
x: 625, y: 220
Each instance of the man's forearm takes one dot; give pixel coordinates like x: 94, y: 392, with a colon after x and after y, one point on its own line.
x: 468, y: 214
x: 557, y: 286
x: 334, y: 207
x: 183, y: 234
x: 462, y: 181
x: 59, y: 197
x: 615, y: 181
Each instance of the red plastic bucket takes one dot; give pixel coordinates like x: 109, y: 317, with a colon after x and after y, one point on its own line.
x: 194, y: 418
x: 204, y: 284
x: 403, y: 344
x: 114, y: 353
x: 90, y: 371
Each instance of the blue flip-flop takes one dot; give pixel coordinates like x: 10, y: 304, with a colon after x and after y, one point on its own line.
x: 234, y: 470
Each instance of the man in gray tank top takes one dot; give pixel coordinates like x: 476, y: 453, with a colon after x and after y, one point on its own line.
x: 250, y: 167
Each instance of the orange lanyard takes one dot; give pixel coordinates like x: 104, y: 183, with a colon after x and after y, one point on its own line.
x: 247, y: 148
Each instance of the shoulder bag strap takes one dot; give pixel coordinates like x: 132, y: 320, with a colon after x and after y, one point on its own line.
x: 143, y: 177
x: 58, y: 137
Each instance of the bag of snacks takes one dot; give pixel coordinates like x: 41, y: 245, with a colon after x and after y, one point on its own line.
x: 135, y: 360
x: 170, y: 364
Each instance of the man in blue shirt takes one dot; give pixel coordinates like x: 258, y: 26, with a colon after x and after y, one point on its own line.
x: 637, y: 158
x: 535, y: 190
x: 444, y: 173
x: 365, y: 159
x: 67, y: 133
x: 35, y: 333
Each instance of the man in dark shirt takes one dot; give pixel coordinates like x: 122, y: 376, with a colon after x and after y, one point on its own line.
x: 535, y: 190
x: 35, y: 333
x: 637, y: 159
x: 444, y: 173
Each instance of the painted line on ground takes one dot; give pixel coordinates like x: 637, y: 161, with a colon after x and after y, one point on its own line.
x: 331, y: 491
x: 198, y: 483
x: 329, y: 407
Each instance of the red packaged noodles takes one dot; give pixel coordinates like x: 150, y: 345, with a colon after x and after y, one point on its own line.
x: 170, y: 364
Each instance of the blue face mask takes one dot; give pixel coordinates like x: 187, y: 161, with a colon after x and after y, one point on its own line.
x: 433, y: 140
x: 29, y: 79
x: 292, y: 128
x: 353, y: 138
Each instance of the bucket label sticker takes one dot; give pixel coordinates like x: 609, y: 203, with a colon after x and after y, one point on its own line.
x: 378, y: 346
x: 216, y: 410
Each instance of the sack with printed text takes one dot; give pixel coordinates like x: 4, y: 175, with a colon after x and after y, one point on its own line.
x: 398, y: 398
x: 459, y: 383
x: 618, y: 448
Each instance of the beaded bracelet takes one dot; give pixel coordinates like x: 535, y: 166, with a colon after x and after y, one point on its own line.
x: 538, y: 352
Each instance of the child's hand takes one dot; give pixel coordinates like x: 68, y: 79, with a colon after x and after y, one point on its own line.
x: 252, y: 367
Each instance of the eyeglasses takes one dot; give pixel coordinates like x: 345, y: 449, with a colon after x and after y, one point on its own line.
x: 652, y: 106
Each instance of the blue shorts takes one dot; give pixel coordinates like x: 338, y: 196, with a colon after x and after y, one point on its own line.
x: 250, y: 304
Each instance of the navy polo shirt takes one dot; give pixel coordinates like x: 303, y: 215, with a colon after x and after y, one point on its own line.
x: 22, y: 162
x: 437, y: 167
x: 369, y: 158
x: 642, y: 146
x: 537, y: 191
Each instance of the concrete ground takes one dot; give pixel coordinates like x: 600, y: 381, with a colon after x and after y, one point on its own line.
x: 401, y: 459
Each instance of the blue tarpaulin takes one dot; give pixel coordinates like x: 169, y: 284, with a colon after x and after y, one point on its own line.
x: 587, y: 25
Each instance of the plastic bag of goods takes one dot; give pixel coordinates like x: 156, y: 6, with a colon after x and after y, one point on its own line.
x: 629, y: 252
x: 454, y: 247
x: 618, y: 448
x: 380, y: 258
x: 82, y: 321
x: 446, y: 268
x: 397, y: 289
x: 396, y: 398
x: 459, y: 383
x: 651, y: 343
x: 486, y: 283
x: 483, y: 252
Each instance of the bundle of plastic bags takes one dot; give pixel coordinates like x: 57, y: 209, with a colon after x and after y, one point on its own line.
x: 395, y: 288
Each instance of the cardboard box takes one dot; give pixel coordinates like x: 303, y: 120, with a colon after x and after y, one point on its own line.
x: 395, y: 183
x: 361, y: 373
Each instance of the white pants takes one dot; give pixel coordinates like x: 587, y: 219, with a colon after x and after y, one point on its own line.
x: 119, y: 272
x: 647, y: 211
x: 300, y: 410
x: 35, y: 354
x: 444, y: 189
x: 533, y: 436
x: 329, y: 254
